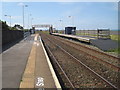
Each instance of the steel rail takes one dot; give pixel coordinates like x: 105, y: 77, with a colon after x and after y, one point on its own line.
x: 59, y: 65
x: 117, y: 68
x: 102, y: 53
x: 99, y: 76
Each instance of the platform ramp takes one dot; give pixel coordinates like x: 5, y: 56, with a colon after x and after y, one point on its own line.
x: 104, y: 44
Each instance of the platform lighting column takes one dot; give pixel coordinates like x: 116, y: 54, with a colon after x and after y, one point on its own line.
x: 31, y: 21
x: 61, y: 24
x: 28, y: 21
x: 23, y: 13
x: 72, y: 20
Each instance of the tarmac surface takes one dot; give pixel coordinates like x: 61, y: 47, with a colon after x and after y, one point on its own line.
x: 42, y: 68
x: 104, y: 44
x: 14, y: 62
x: 39, y: 72
x: 26, y: 65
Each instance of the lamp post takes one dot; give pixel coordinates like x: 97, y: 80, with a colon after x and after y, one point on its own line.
x: 28, y: 20
x: 61, y: 23
x: 9, y: 17
x: 31, y: 21
x: 23, y: 13
x: 72, y: 20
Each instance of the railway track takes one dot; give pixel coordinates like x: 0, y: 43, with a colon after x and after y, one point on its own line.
x: 109, y: 60
x: 56, y: 46
x: 98, y: 52
x: 60, y: 67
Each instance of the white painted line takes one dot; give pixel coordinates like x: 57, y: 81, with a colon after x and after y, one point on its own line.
x: 40, y: 82
x: 37, y: 44
x: 35, y: 38
x: 51, y: 67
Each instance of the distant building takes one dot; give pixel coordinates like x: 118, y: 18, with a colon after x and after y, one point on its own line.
x: 18, y: 27
x: 70, y: 30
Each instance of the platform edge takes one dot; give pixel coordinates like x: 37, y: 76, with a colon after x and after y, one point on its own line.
x: 50, y: 66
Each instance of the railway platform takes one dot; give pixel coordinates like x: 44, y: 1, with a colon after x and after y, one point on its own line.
x: 85, y: 39
x: 26, y: 65
x: 14, y: 61
x: 103, y: 44
x: 39, y: 72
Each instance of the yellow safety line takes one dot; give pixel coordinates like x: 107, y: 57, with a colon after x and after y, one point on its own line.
x: 28, y: 76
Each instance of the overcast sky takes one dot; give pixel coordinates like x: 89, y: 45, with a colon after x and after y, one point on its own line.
x: 83, y: 15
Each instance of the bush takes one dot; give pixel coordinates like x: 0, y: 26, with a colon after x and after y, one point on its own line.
x: 4, y: 26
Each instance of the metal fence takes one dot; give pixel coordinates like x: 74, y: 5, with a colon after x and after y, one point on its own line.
x: 87, y: 32
x: 99, y: 33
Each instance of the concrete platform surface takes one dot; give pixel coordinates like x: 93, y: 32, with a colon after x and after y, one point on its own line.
x: 80, y: 38
x: 39, y: 72
x: 14, y: 61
